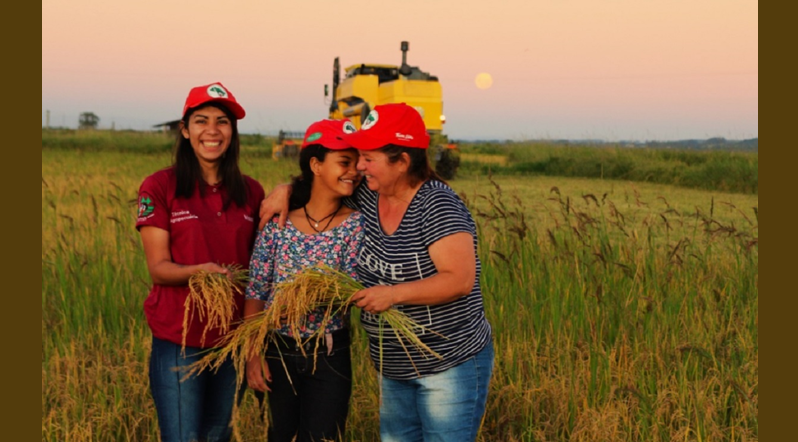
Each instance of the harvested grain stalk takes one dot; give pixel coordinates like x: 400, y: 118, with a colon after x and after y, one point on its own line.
x: 323, y: 286
x: 318, y: 286
x: 211, y: 297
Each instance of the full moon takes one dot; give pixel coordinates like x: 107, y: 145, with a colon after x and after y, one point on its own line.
x: 484, y: 80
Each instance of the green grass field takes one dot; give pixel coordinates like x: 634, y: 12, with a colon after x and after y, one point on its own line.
x: 622, y: 310
x: 708, y: 169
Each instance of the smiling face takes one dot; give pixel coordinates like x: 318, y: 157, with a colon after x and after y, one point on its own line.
x: 337, y: 173
x: 210, y: 131
x: 380, y: 174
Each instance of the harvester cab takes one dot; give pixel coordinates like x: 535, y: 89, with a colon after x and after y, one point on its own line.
x: 366, y: 85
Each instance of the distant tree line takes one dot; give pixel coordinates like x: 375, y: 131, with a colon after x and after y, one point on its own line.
x: 88, y: 120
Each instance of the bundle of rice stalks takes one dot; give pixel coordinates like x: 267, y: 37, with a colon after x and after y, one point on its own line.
x: 211, y: 296
x: 249, y: 338
x: 318, y: 286
x: 323, y: 286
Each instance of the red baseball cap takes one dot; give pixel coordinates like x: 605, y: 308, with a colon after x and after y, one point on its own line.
x: 329, y: 133
x: 395, y: 123
x: 215, y: 92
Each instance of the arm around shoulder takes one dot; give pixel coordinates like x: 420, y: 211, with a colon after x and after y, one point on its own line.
x: 276, y: 203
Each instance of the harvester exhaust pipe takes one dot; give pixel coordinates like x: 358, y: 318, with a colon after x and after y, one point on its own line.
x: 405, y: 69
x: 336, y: 80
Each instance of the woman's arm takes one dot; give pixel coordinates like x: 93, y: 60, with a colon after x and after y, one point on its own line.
x: 261, y: 279
x: 455, y: 260
x: 163, y: 270
x: 258, y: 373
x: 276, y: 203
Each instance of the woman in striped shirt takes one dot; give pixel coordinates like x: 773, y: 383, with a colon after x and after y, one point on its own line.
x: 420, y: 256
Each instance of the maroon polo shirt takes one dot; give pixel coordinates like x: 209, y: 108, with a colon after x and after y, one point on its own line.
x: 200, y: 231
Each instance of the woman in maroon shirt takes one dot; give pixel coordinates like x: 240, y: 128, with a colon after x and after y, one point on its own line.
x: 199, y: 214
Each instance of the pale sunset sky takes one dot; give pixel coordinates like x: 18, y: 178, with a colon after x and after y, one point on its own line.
x: 575, y: 69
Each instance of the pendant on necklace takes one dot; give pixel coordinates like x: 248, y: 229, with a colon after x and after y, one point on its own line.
x: 314, y: 223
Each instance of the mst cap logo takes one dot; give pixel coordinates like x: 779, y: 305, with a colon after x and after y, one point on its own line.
x: 349, y: 128
x: 313, y: 137
x: 145, y: 206
x: 371, y: 120
x: 217, y: 91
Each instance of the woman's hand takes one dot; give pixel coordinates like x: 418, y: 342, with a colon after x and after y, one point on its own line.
x: 212, y: 267
x: 375, y: 299
x: 258, y: 374
x: 276, y: 203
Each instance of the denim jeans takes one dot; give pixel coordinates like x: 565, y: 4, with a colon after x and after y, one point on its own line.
x: 197, y: 409
x: 313, y: 404
x: 444, y: 407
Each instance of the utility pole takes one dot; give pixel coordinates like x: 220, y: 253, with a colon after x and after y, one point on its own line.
x: 47, y: 119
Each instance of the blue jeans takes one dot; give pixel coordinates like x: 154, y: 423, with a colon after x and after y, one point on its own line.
x: 444, y: 407
x: 197, y: 409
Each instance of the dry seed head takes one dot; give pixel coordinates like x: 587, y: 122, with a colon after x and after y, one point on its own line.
x: 211, y: 298
x: 316, y: 287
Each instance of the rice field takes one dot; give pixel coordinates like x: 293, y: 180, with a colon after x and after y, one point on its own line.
x: 500, y: 160
x: 621, y: 311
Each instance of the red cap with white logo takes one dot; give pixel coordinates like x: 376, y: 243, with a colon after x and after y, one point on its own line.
x: 397, y: 124
x: 329, y: 134
x: 213, y: 92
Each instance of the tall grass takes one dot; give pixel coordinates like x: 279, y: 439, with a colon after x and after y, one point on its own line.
x: 620, y: 326
x: 731, y: 171
x: 618, y: 315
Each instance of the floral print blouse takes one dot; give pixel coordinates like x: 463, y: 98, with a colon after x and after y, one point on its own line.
x: 281, y: 253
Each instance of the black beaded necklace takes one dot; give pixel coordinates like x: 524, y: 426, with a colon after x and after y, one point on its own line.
x: 314, y: 223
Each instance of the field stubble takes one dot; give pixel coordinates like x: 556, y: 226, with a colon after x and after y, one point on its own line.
x: 621, y: 311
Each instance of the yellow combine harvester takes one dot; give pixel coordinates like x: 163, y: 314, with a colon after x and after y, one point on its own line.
x: 367, y: 85
x: 287, y: 144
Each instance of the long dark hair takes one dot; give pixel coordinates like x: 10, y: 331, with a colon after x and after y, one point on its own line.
x: 187, y: 167
x: 420, y: 170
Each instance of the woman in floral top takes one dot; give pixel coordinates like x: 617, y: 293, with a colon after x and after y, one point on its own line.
x: 306, y: 403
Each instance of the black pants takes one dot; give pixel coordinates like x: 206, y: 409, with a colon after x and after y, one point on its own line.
x: 311, y: 405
